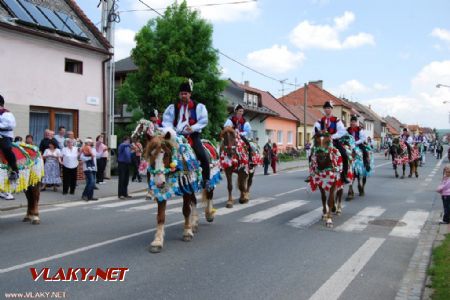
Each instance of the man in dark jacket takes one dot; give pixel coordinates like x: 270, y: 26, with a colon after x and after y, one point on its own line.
x: 267, y: 154
x: 124, y: 162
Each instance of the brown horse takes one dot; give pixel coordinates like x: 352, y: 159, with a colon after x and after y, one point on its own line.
x: 229, y: 153
x: 30, y: 164
x: 325, y: 169
x: 161, y: 154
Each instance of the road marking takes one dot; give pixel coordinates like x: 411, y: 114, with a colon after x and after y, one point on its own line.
x: 273, y: 211
x: 292, y: 191
x: 428, y: 179
x: 23, y: 213
x: 83, y: 249
x: 340, y: 280
x: 225, y: 211
x: 384, y: 164
x: 414, y: 222
x: 307, y: 219
x: 105, y: 199
x: 122, y: 203
x: 361, y: 220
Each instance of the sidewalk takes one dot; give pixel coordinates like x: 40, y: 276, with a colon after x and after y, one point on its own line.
x: 109, y: 189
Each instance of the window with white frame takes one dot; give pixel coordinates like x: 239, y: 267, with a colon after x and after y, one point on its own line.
x: 269, y: 134
x: 289, y: 137
x: 280, y: 137
x: 245, y: 98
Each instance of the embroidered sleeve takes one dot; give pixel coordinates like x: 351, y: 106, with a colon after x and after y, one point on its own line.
x: 202, y: 118
x: 247, y: 130
x: 168, y: 116
x: 340, y: 130
x: 228, y: 123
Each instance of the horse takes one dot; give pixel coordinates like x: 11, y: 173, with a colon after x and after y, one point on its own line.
x: 325, y: 170
x: 400, y: 156
x: 234, y: 159
x: 174, y: 170
x: 359, y: 171
x: 31, y: 170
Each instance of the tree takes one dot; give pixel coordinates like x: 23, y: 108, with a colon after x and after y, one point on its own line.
x: 170, y: 49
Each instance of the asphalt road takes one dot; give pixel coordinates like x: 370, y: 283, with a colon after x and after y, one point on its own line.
x: 275, y: 247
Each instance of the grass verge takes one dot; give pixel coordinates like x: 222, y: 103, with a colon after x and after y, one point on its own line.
x: 440, y: 271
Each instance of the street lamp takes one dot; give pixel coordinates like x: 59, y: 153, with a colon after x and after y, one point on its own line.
x: 439, y: 85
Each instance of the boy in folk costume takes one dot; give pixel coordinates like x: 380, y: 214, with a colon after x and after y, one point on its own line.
x: 7, y: 125
x: 188, y: 117
x: 335, y: 127
x: 360, y: 137
x: 408, y: 140
x: 239, y: 123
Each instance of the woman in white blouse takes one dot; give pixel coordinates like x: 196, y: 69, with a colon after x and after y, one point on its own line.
x: 70, y: 166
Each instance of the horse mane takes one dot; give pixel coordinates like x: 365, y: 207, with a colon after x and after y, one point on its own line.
x: 227, y: 129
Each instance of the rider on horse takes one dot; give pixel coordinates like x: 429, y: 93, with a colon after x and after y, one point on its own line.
x: 336, y: 128
x: 359, y: 134
x: 7, y: 125
x: 188, y: 117
x: 243, y: 127
x: 407, y: 139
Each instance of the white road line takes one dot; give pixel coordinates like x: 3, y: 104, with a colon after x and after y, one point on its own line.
x: 340, y: 280
x: 388, y: 163
x: 24, y: 212
x: 122, y: 203
x: 361, y: 220
x: 428, y: 179
x: 414, y: 222
x: 273, y: 211
x: 82, y: 249
x: 292, y: 191
x: 307, y: 219
x: 105, y: 199
x: 225, y: 211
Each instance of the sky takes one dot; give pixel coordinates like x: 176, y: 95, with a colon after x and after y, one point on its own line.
x: 386, y: 54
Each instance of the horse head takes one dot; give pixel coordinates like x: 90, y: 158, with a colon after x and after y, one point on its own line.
x: 143, y: 126
x: 322, y: 145
x: 228, y: 137
x: 159, y: 152
x: 322, y: 140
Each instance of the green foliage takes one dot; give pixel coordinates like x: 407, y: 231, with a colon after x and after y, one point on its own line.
x: 170, y: 49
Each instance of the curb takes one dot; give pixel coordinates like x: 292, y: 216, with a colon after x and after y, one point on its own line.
x: 414, y: 280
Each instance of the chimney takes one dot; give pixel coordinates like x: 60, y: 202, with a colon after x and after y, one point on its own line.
x: 247, y: 83
x: 318, y: 83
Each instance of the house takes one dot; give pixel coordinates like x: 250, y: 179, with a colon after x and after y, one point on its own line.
x: 391, y: 131
x: 316, y: 97
x: 364, y: 117
x: 53, y: 60
x: 312, y: 115
x: 121, y: 69
x: 413, y: 130
x: 395, y: 123
x: 268, y: 118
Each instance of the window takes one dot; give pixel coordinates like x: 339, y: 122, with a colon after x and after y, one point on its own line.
x: 73, y: 66
x: 269, y: 134
x: 289, y: 137
x: 254, y: 134
x: 42, y: 118
x: 255, y: 100
x: 280, y: 137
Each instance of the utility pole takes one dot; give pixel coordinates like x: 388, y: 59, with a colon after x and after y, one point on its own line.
x: 282, y: 86
x: 304, y: 113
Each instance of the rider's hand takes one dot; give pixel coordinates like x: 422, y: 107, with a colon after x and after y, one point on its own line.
x: 188, y: 129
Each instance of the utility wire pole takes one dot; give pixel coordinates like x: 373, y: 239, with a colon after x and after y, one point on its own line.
x: 304, y: 113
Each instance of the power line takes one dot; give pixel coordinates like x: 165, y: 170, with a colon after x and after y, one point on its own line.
x: 191, y: 6
x: 234, y: 60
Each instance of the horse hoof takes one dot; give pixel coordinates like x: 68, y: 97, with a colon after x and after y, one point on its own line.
x: 333, y: 209
x: 195, y: 228
x: 229, y: 205
x: 409, y: 176
x: 210, y: 219
x: 329, y: 225
x: 417, y: 175
x: 242, y: 200
x: 155, y: 249
x: 26, y: 219
x: 396, y: 176
x: 187, y: 238
x: 35, y: 222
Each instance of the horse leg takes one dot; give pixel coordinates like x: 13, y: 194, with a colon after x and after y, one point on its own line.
x: 350, y: 193
x: 210, y: 211
x: 364, y: 181
x: 416, y: 169
x: 411, y: 167
x: 149, y: 195
x: 360, y: 187
x: 158, y: 242
x: 324, y: 203
x: 194, y: 214
x: 187, y: 232
x: 242, y: 184
x: 339, y: 201
x: 229, y: 174
x: 249, y: 184
x: 329, y: 218
x: 404, y: 170
x: 395, y: 169
x: 32, y: 194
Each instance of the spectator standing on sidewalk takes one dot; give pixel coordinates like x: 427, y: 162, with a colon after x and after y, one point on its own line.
x: 70, y: 166
x: 444, y: 190
x: 61, y: 136
x: 136, y: 155
x: 48, y: 136
x: 89, y: 160
x: 52, y: 173
x: 124, y: 161
x: 29, y: 139
x: 274, y: 158
x: 102, y: 158
x: 267, y: 151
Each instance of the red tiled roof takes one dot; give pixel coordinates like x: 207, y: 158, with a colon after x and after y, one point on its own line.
x: 269, y: 101
x: 391, y: 129
x: 316, y: 97
x: 413, y: 127
x: 312, y: 114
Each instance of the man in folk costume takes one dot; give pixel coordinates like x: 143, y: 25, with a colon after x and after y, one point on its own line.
x: 407, y: 139
x: 336, y: 128
x: 238, y: 122
x: 188, y: 117
x: 359, y: 134
x: 7, y: 125
x: 154, y: 118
